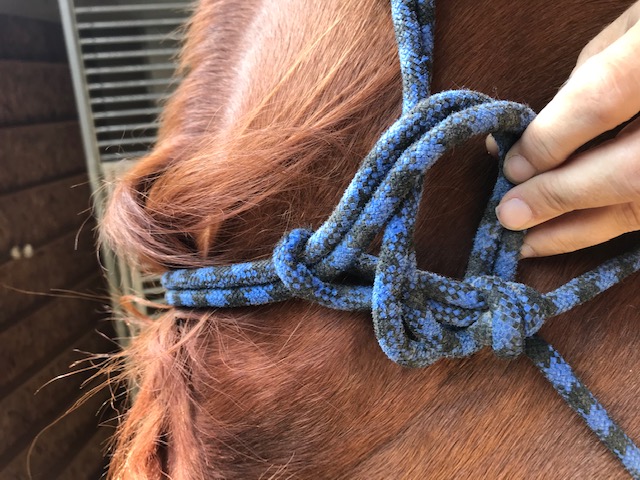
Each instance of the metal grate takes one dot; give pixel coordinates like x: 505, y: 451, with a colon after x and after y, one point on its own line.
x: 126, y: 58
x: 122, y: 57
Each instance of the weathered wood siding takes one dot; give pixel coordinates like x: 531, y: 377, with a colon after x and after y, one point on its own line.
x: 45, y: 207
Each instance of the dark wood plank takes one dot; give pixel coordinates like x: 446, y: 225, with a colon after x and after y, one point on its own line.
x: 26, y: 39
x: 35, y: 154
x: 44, y: 333
x: 58, y: 444
x: 55, y: 265
x: 90, y: 462
x: 34, y: 92
x: 42, y: 158
x: 23, y: 412
x: 36, y: 215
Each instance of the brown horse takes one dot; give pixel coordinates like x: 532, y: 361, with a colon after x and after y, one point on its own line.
x: 281, y: 101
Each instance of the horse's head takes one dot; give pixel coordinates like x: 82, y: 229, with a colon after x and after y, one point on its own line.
x: 280, y: 102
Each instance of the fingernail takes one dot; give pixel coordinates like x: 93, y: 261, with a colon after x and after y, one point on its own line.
x: 518, y: 169
x: 514, y: 214
x: 492, y: 146
x: 526, y: 251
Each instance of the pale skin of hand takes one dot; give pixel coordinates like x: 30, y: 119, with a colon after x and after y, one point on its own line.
x: 571, y: 201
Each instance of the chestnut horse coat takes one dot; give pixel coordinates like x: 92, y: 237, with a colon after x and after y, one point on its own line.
x: 281, y: 101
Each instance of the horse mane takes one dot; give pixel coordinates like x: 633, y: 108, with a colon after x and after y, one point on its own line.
x: 280, y: 102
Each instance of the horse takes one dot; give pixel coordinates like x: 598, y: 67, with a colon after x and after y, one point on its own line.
x: 280, y: 102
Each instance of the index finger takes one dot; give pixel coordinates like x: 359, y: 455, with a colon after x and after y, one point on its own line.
x: 610, y: 34
x: 602, y: 93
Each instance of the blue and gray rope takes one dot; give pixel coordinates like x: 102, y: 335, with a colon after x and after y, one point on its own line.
x: 420, y: 317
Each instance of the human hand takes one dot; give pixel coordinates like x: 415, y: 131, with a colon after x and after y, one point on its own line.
x: 572, y: 202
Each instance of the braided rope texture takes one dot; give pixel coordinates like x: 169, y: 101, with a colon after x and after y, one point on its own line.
x: 420, y: 317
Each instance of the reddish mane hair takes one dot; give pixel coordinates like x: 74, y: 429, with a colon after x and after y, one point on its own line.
x: 281, y: 101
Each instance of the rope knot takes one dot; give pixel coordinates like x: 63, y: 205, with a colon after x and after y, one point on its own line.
x: 514, y: 312
x: 289, y: 261
x: 299, y: 276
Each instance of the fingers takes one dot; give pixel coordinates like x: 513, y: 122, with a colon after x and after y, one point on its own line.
x: 633, y: 128
x: 606, y: 37
x: 606, y: 175
x: 610, y: 34
x: 594, y: 197
x: 602, y: 94
x: 581, y: 229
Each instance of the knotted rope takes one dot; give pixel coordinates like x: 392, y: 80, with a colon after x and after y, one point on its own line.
x: 420, y: 317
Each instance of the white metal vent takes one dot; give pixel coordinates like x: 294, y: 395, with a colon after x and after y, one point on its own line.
x: 126, y: 55
x: 122, y: 58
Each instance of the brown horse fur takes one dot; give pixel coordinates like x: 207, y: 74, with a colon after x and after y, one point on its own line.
x: 281, y: 101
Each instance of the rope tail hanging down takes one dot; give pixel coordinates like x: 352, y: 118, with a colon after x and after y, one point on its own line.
x: 420, y: 317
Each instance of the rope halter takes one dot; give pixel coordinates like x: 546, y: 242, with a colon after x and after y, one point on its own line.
x: 420, y: 317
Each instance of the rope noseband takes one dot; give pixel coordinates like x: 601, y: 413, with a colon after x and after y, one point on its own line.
x: 420, y: 317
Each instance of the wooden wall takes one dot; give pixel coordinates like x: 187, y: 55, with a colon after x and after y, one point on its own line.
x: 47, y: 246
